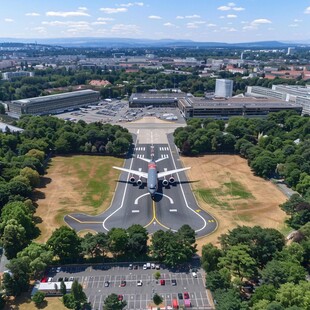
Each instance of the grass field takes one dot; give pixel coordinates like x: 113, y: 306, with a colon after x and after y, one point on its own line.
x: 75, y: 184
x: 225, y: 186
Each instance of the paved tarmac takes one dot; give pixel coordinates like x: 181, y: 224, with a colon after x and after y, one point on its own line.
x: 174, y: 205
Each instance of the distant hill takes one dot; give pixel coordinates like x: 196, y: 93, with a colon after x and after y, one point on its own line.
x: 139, y: 43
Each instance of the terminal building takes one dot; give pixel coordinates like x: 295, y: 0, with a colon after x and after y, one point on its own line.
x: 54, y: 104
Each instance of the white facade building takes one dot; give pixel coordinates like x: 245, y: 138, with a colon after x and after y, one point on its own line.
x: 223, y: 88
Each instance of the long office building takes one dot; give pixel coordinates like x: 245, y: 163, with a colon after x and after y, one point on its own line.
x: 54, y: 104
x: 218, y: 108
x: 297, y: 94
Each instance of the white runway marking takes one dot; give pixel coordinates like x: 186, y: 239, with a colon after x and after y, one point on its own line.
x: 135, y: 211
x: 170, y: 199
x: 173, y: 210
x: 137, y: 199
x: 123, y: 198
x: 186, y: 203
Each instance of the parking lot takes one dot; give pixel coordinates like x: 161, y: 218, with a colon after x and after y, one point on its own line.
x: 102, y: 280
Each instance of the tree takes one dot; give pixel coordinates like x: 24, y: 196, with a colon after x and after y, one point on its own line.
x: 218, y: 279
x: 157, y: 299
x: 238, y: 261
x: 13, y: 238
x: 157, y: 275
x: 32, y: 175
x: 38, y: 298
x: 63, y: 288
x: 279, y: 272
x: 210, y: 257
x: 228, y: 300
x: 265, y: 291
x: 76, y: 299
x: 117, y: 241
x: 137, y: 240
x: 95, y: 245
x: 66, y: 244
x: 38, y: 256
x: 112, y: 303
x: 263, y: 243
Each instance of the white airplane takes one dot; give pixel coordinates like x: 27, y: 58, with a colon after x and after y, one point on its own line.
x: 152, y: 175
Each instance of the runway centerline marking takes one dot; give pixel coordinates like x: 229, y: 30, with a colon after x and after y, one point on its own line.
x: 154, y: 220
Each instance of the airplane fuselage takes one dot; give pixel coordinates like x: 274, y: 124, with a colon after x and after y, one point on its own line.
x: 152, y: 178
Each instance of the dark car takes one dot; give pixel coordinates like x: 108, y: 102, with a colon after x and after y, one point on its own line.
x: 106, y: 283
x: 186, y: 295
x: 173, y: 282
x: 123, y: 283
x: 135, y: 267
x: 180, y: 295
x: 120, y: 297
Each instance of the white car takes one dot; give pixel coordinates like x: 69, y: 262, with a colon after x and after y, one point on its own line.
x: 139, y: 283
x: 194, y: 274
x: 144, y: 267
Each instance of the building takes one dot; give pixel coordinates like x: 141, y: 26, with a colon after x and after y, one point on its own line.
x: 10, y: 75
x: 223, y: 88
x: 155, y: 99
x: 223, y: 108
x: 296, y: 94
x: 53, y: 104
x: 5, y: 127
x: 51, y: 288
x: 217, y: 108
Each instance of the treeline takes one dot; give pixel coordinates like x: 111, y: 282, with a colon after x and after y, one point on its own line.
x: 65, y: 246
x: 23, y: 157
x: 255, y: 270
x: 278, y: 146
x: 125, y: 83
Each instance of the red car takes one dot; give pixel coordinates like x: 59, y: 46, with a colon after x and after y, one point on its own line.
x: 44, y: 280
x: 162, y: 282
x: 186, y: 295
x: 120, y: 297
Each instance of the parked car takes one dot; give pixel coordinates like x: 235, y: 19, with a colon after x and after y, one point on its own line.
x: 106, y: 283
x: 162, y: 282
x: 157, y: 266
x: 123, y: 283
x: 139, y: 283
x: 186, y: 295
x: 135, y: 267
x: 144, y: 267
x: 173, y: 282
x: 120, y: 297
x: 130, y: 267
x: 180, y: 295
x: 153, y: 266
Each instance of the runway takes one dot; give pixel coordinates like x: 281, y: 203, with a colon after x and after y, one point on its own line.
x: 173, y: 206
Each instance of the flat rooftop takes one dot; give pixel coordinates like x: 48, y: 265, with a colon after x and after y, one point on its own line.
x: 239, y: 102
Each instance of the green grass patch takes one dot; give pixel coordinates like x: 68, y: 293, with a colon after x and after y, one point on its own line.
x: 209, y: 196
x: 236, y: 189
x: 245, y: 217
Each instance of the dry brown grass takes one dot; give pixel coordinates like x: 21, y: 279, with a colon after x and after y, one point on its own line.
x: 214, y: 174
x: 75, y: 184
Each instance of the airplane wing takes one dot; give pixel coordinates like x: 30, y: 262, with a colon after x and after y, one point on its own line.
x: 169, y: 172
x: 135, y: 172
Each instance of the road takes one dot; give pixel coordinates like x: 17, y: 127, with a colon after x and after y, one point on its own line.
x: 174, y: 205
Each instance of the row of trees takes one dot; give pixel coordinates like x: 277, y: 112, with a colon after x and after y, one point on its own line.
x: 276, y: 146
x: 253, y: 257
x: 65, y: 246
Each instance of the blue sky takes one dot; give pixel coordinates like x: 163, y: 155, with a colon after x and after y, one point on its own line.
x: 197, y: 20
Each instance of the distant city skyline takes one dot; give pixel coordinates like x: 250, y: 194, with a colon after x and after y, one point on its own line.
x: 197, y: 20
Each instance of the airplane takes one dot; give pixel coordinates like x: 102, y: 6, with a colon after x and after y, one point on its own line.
x: 152, y: 175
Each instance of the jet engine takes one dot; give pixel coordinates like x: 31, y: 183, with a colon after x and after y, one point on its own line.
x: 139, y: 182
x: 171, y: 180
x: 132, y: 179
x: 165, y: 182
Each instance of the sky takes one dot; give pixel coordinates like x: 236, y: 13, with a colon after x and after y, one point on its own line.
x: 197, y: 20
